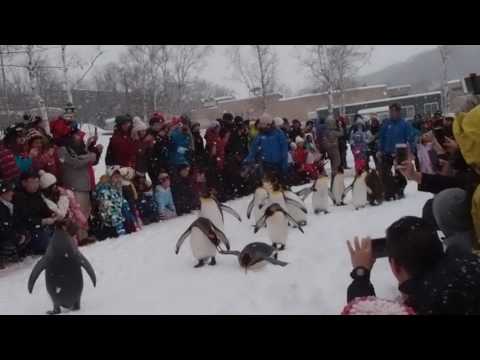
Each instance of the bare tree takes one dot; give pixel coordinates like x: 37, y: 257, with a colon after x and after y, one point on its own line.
x: 347, y: 61
x: 333, y: 66
x: 76, y: 63
x: 445, y: 53
x: 258, y: 70
x: 186, y: 62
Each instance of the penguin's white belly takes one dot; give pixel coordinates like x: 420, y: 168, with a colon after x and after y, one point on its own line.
x: 210, y: 211
x: 258, y: 266
x: 257, y: 212
x: 277, y: 228
x: 320, y: 200
x: 359, y: 195
x: 202, y: 247
x: 338, y: 189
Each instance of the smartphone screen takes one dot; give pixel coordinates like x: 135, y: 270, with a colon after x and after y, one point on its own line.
x: 379, y: 248
x: 401, y: 153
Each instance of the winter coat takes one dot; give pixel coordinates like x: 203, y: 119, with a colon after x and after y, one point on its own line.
x: 110, y: 205
x: 424, y: 158
x: 394, y: 132
x: 67, y: 207
x: 330, y: 136
x: 24, y: 163
x: 75, y: 169
x: 184, y: 198
x: 30, y: 210
x: 164, y: 200
x: 121, y: 150
x: 452, y: 287
x: 180, y: 148
x: 270, y: 148
x: 158, y: 157
x: 48, y: 162
x: 300, y: 157
x: 294, y: 133
x: 199, y: 154
x: 237, y: 148
x: 8, y: 166
x: 143, y: 155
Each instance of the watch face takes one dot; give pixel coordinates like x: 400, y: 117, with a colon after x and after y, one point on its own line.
x: 360, y: 272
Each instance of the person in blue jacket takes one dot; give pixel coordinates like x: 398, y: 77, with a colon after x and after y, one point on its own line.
x: 180, y: 145
x: 394, y: 131
x: 269, y: 148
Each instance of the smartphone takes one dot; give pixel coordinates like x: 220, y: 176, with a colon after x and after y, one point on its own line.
x: 439, y: 133
x: 379, y: 248
x: 401, y: 153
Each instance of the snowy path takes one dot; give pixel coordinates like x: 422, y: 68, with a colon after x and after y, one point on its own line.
x: 139, y: 273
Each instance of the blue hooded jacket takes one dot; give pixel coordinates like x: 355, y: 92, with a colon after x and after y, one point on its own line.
x: 270, y: 147
x: 394, y: 132
x: 180, y: 145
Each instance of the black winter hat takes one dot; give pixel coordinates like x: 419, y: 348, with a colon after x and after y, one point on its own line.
x: 452, y: 211
x: 6, y: 186
x: 122, y: 119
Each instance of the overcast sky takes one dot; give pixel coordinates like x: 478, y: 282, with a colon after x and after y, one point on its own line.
x: 219, y: 71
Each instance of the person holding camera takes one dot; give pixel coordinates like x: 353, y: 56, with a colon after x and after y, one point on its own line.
x: 432, y: 281
x: 394, y: 134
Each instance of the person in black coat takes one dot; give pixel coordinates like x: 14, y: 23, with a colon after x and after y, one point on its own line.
x: 433, y: 281
x: 32, y: 213
x: 235, y: 152
x: 183, y: 195
x: 199, y: 153
x: 158, y: 160
x: 295, y: 130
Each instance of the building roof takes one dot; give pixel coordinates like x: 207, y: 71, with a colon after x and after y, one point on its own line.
x: 335, y: 91
x: 392, y: 99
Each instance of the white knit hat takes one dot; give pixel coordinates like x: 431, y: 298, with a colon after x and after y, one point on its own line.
x: 138, y: 125
x: 299, y: 140
x: 278, y: 121
x: 127, y: 173
x: 266, y: 120
x: 293, y: 146
x: 46, y: 179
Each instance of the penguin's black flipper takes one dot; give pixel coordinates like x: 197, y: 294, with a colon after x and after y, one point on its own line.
x: 260, y: 223
x: 232, y: 212
x: 182, y: 239
x: 305, y: 193
x: 295, y: 203
x: 293, y: 221
x: 263, y: 203
x: 235, y: 252
x: 275, y: 261
x: 250, y: 207
x: 88, y: 268
x: 221, y: 236
x: 37, y: 270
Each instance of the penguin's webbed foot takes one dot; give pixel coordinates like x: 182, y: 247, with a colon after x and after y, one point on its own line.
x: 56, y: 310
x: 316, y: 212
x: 212, y: 262
x: 200, y: 264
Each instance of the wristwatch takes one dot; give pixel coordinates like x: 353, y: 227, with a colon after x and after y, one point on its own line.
x: 360, y: 273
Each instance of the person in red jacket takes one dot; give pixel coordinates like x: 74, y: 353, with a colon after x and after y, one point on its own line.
x: 121, y: 149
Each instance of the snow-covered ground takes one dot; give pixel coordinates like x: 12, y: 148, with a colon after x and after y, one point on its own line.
x: 140, y: 274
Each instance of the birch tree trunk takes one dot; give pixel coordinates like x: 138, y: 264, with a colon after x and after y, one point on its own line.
x: 66, y: 83
x: 5, y: 89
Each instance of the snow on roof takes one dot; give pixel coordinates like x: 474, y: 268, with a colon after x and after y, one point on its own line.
x: 335, y: 92
x: 224, y: 98
x: 454, y: 81
x: 399, y: 87
x: 387, y: 99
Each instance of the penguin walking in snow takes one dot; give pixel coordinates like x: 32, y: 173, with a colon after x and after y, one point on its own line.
x: 63, y: 264
x: 296, y: 207
x: 359, y: 191
x: 259, y: 197
x: 276, y: 218
x: 338, y: 188
x: 375, y: 188
x: 320, y: 197
x: 256, y: 255
x: 205, y: 241
x: 212, y: 209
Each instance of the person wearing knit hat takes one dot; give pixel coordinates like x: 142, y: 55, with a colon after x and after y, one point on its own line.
x: 266, y: 120
x: 157, y: 118
x: 299, y: 140
x: 278, y: 121
x: 46, y: 180
x: 139, y: 128
x: 451, y: 210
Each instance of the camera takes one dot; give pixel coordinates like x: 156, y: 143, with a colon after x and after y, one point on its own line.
x: 471, y: 84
